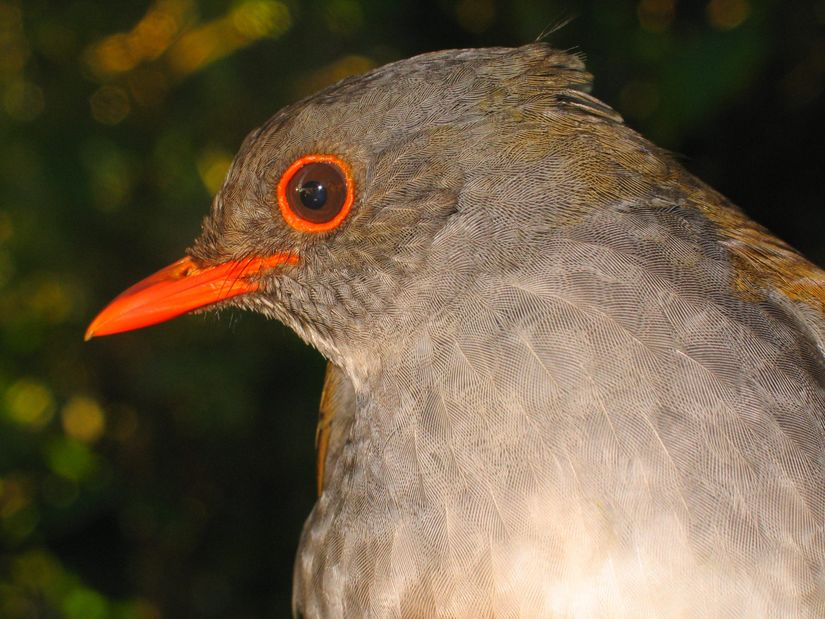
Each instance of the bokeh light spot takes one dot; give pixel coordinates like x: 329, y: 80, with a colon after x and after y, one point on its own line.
x: 151, y: 36
x: 261, y: 18
x: 21, y: 523
x: 83, y: 419
x: 29, y: 403
x: 114, y: 55
x: 110, y: 105
x: 83, y: 603
x: 155, y: 32
x: 212, y: 167
x: 36, y: 569
x: 23, y: 100
x: 15, y: 495
x: 70, y: 458
x: 727, y: 14
x: 49, y: 299
x: 14, y: 48
x: 338, y: 70
x: 111, y: 173
x: 245, y: 24
x: 656, y: 15
x: 148, y: 86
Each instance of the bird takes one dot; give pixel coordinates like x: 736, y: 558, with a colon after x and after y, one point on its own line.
x: 566, y: 378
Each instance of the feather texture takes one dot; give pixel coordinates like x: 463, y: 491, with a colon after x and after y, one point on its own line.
x: 579, y: 382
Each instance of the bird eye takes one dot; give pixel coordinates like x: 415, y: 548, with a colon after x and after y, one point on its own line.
x: 315, y: 193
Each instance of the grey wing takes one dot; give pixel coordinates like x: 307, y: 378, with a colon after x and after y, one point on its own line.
x: 671, y: 426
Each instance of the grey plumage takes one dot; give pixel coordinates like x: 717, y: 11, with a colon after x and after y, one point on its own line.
x: 582, y: 383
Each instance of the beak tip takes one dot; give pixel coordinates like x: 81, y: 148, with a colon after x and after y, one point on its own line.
x: 91, y: 330
x: 179, y: 288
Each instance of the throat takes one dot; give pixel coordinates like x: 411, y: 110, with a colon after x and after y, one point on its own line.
x: 430, y: 436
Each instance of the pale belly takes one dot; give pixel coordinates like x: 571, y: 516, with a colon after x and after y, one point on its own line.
x: 554, y: 559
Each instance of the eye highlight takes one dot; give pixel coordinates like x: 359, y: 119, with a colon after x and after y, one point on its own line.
x: 315, y: 193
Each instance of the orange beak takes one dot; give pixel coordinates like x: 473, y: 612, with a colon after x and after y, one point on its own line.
x: 179, y: 288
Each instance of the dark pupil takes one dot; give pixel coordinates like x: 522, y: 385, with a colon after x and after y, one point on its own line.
x: 313, y: 194
x: 317, y: 192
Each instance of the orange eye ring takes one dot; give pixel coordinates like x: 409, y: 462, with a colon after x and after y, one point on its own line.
x: 289, y: 202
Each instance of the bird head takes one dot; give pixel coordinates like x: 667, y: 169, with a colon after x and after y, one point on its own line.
x: 355, y: 214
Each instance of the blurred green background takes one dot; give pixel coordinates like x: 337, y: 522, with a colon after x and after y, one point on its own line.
x: 166, y: 473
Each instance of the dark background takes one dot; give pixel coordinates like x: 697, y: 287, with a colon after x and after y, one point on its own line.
x: 167, y: 472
